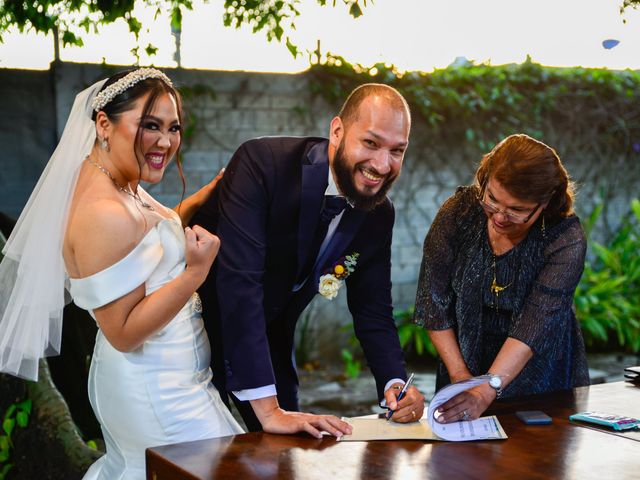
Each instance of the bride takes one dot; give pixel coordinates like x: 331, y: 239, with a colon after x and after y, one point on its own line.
x: 126, y: 259
x: 91, y: 229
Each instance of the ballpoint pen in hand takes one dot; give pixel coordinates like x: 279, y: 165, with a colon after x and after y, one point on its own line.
x: 401, y: 395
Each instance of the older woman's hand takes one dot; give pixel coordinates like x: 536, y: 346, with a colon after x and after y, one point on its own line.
x: 467, y: 405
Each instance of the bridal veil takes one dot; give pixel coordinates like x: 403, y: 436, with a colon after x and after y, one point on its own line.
x: 32, y: 272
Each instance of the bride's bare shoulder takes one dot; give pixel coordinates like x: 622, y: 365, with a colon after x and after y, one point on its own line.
x: 100, y: 232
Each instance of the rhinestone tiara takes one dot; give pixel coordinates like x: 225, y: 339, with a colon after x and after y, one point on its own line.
x: 126, y: 82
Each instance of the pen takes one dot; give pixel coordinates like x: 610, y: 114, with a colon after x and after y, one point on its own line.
x: 401, y: 395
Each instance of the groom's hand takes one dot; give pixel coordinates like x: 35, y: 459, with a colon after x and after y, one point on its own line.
x: 410, y: 408
x: 276, y: 420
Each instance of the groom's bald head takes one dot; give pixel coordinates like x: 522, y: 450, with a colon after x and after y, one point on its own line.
x: 389, y: 95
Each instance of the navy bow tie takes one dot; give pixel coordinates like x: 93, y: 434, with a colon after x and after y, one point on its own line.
x: 333, y: 205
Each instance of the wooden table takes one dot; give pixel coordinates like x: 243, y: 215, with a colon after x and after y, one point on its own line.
x: 563, y: 450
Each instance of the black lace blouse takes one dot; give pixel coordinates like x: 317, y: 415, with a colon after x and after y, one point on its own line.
x: 541, y: 274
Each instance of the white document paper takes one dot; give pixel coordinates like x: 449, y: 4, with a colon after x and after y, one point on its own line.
x: 484, y: 428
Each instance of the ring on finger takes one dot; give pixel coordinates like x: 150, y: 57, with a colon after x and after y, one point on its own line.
x: 397, y: 387
x: 413, y: 414
x: 465, y: 416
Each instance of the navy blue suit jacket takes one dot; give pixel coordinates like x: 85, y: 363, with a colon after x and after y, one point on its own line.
x: 265, y: 211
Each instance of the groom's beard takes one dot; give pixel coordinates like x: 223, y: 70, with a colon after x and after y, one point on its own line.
x: 344, y: 179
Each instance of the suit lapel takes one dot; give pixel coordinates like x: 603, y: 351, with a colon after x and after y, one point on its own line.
x: 347, y: 229
x: 315, y: 174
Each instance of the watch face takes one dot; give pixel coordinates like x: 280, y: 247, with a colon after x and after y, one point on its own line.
x: 495, y: 382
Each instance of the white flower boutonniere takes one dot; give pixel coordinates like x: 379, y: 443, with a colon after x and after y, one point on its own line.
x: 333, y: 278
x: 329, y: 286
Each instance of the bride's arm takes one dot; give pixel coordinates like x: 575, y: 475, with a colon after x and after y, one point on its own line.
x: 190, y: 205
x: 107, y: 235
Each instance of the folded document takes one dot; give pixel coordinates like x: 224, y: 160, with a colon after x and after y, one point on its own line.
x: 484, y: 428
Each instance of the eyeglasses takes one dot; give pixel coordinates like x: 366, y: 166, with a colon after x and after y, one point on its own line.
x: 491, y: 209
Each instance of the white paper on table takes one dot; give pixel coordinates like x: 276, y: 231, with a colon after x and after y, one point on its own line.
x: 484, y: 428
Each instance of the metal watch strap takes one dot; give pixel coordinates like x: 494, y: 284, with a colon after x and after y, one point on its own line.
x: 498, y: 388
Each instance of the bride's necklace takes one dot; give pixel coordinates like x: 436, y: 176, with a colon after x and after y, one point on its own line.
x: 135, y: 196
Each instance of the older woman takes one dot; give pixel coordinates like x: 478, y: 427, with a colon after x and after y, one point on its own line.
x: 501, y: 263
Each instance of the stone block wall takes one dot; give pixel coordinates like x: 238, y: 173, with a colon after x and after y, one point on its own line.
x: 226, y: 108
x: 27, y: 134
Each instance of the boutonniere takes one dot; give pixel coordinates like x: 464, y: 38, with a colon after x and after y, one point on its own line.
x: 333, y: 278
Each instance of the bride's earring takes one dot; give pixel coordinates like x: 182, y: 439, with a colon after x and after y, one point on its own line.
x: 104, y: 144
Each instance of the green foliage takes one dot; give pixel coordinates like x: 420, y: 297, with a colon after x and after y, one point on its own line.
x: 303, y: 349
x: 351, y: 354
x: 481, y: 104
x: 69, y: 18
x: 269, y: 16
x: 413, y: 337
x: 352, y: 366
x: 607, y: 298
x: 16, y: 415
x: 274, y: 16
x: 629, y: 4
x: 44, y: 16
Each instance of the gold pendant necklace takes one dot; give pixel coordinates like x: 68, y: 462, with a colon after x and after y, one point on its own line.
x: 495, y: 288
x: 135, y: 196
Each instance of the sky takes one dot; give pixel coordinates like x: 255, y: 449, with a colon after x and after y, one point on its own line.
x: 411, y: 34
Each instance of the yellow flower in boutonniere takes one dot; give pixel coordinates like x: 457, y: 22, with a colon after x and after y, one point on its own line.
x: 331, y: 281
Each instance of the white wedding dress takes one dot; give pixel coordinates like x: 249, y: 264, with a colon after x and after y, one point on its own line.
x: 160, y: 393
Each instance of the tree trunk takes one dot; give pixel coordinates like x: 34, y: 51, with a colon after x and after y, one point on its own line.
x: 50, y: 447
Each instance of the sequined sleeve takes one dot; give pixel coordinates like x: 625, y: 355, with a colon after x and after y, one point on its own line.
x: 546, y: 314
x: 435, y: 298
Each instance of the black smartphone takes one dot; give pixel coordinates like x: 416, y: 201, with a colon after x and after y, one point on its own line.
x: 533, y: 417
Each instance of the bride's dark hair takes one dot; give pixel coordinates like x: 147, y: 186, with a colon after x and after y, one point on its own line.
x: 125, y: 101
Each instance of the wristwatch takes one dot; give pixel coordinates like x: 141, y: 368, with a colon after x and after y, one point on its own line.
x: 495, y: 382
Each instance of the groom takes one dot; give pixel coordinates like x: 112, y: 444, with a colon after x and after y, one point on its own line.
x: 288, y: 211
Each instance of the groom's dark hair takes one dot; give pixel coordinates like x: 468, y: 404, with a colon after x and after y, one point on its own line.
x: 349, y: 111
